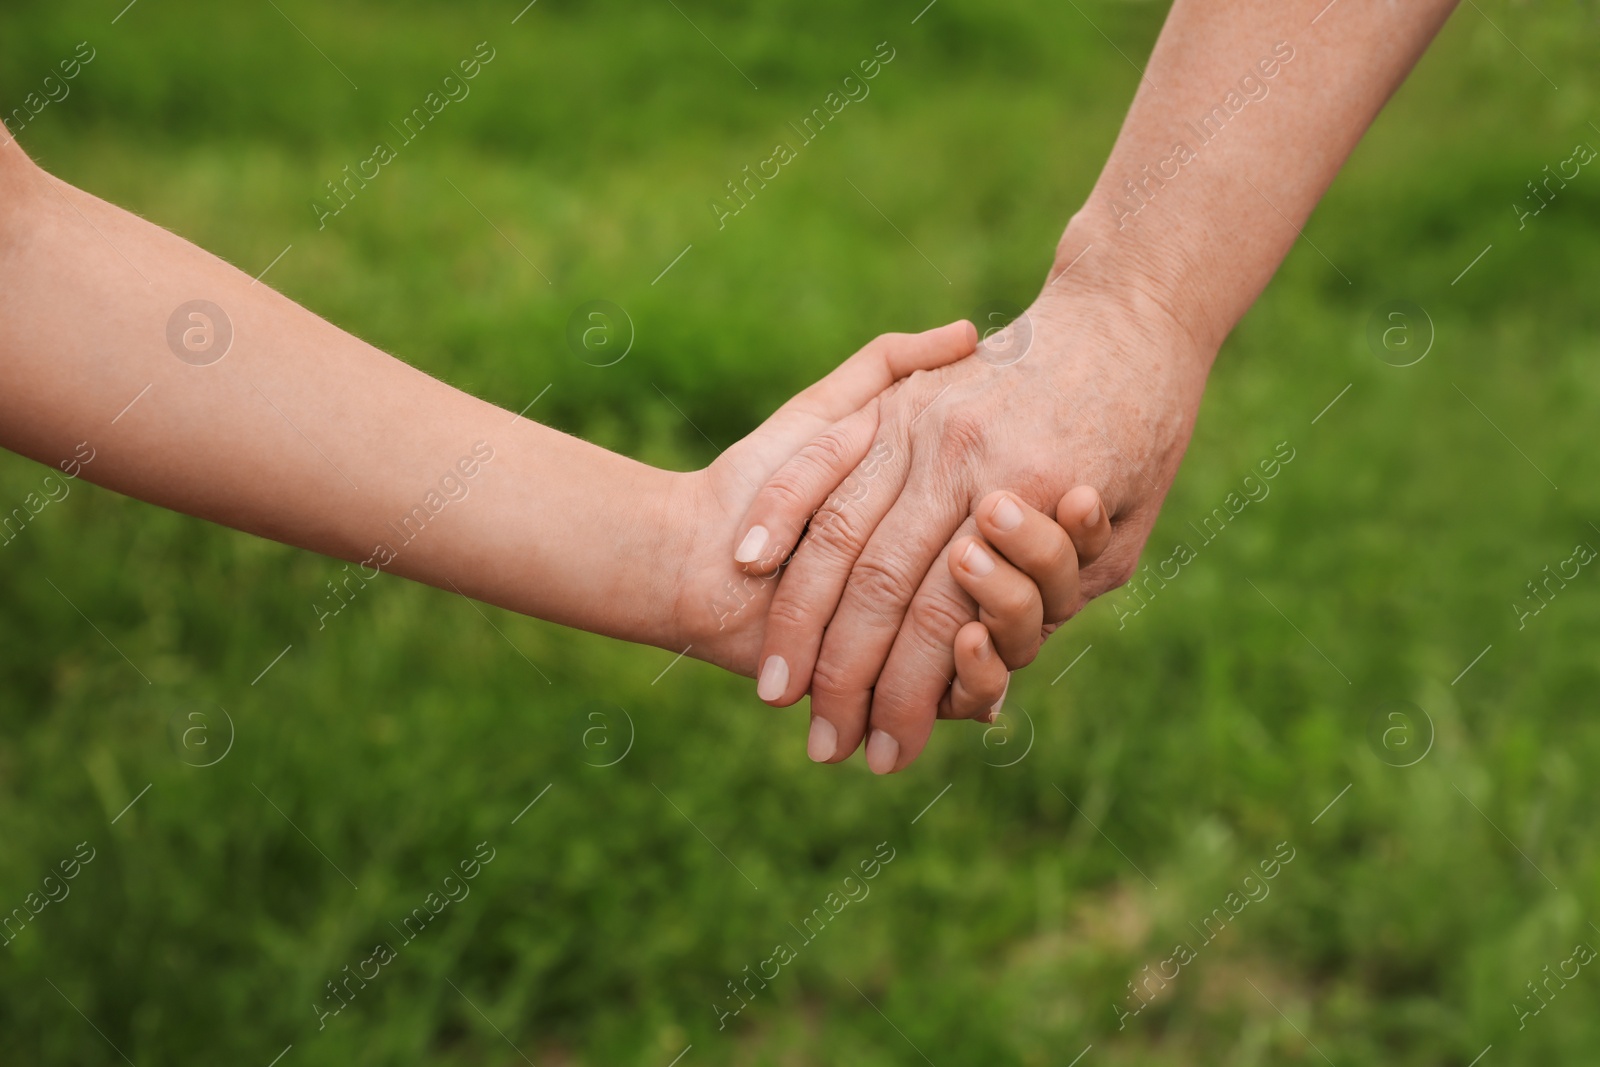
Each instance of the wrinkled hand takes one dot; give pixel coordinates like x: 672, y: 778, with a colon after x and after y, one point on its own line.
x: 1084, y: 388
x: 720, y: 610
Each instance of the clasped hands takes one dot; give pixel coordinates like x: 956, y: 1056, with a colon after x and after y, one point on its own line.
x: 900, y: 536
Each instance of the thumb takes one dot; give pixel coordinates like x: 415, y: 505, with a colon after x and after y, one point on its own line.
x: 880, y: 363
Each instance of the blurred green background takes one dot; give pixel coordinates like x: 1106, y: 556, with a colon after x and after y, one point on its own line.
x: 1177, y: 753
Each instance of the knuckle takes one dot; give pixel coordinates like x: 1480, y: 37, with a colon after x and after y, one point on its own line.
x: 1117, y: 565
x: 789, y: 614
x: 906, y: 397
x: 881, y: 454
x: 829, y: 450
x: 831, y: 680
x: 833, y: 532
x: 794, y: 486
x: 901, y: 710
x: 936, y: 618
x: 1018, y: 602
x: 883, y: 578
x: 851, y: 491
x: 1023, y: 656
x: 1057, y: 612
x: 785, y: 492
x: 963, y: 434
x: 1116, y: 574
x: 966, y: 702
x: 1060, y: 560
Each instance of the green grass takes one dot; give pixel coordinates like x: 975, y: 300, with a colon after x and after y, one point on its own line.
x: 1196, y: 739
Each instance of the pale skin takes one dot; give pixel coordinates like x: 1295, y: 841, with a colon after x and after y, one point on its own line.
x: 1124, y: 333
x: 305, y: 434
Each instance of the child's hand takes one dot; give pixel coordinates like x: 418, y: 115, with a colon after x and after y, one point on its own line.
x: 1023, y: 572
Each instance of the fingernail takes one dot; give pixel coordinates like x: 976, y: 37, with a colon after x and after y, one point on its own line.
x: 823, y: 743
x: 774, y: 678
x: 985, y: 648
x: 1093, y: 518
x: 976, y: 560
x: 749, y: 549
x: 994, y: 709
x: 1007, y: 516
x: 883, y: 752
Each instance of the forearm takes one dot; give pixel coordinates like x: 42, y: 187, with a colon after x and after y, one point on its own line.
x: 1246, y: 113
x: 301, y: 432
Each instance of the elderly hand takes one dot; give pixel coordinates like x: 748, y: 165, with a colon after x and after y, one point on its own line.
x: 1091, y: 385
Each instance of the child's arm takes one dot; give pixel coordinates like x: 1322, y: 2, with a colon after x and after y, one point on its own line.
x: 300, y: 431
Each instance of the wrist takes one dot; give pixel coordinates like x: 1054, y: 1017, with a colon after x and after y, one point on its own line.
x: 683, y: 497
x: 1100, y: 288
x: 1161, y: 287
x: 665, y: 527
x: 714, y: 608
x: 1105, y: 343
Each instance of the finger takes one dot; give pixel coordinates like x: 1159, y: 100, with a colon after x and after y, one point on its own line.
x: 981, y: 676
x: 795, y: 493
x: 1009, y: 603
x: 814, y: 582
x: 882, y: 583
x: 773, y: 523
x: 1083, y: 515
x: 880, y: 363
x: 906, y: 696
x: 1037, y: 546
